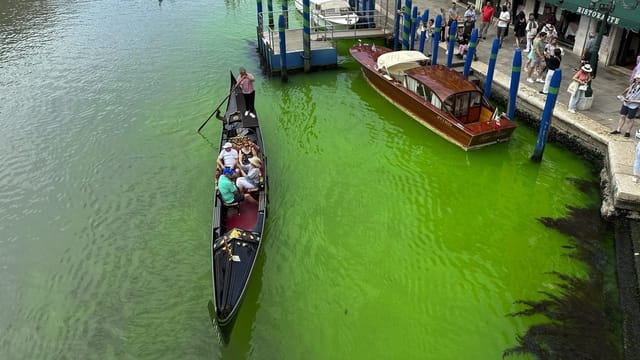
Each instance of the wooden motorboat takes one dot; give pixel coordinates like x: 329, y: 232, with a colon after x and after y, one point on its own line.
x: 438, y: 97
x: 237, y: 229
x: 335, y: 14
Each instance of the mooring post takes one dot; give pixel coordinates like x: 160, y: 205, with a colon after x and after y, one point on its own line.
x: 436, y: 40
x: 259, y: 27
x: 372, y: 10
x: 283, y: 49
x: 515, y: 82
x: 453, y: 29
x: 545, y: 122
x: 396, y: 33
x: 492, y: 66
x: 406, y: 25
x: 471, y: 53
x: 285, y: 13
x: 306, y: 36
x: 362, y: 11
x: 414, y: 24
x: 270, y: 11
x: 423, y: 31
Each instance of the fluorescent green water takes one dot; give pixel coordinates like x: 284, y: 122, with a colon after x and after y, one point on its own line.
x: 383, y: 240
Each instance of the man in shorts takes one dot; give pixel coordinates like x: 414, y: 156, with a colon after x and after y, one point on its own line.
x: 536, y: 57
x: 630, y: 103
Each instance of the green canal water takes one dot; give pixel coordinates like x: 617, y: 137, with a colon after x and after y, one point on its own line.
x: 382, y: 241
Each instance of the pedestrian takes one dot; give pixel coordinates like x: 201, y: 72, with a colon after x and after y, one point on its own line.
x: 536, y: 56
x: 430, y: 30
x: 553, y: 63
x: 245, y: 81
x: 503, y: 23
x: 636, y: 163
x: 520, y: 28
x: 471, y: 11
x: 508, y: 5
x: 588, y: 47
x: 443, y: 26
x: 636, y: 70
x: 532, y: 31
x: 630, y: 102
x: 453, y: 15
x: 551, y: 31
x: 487, y: 18
x: 578, y: 86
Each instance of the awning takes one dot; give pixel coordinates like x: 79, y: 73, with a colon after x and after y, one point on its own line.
x: 623, y: 14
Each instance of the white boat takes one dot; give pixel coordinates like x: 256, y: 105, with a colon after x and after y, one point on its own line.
x: 335, y: 14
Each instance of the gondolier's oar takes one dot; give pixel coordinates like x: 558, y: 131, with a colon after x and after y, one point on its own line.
x: 223, y: 100
x: 214, y: 111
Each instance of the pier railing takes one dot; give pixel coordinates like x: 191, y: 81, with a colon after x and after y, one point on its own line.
x: 372, y: 24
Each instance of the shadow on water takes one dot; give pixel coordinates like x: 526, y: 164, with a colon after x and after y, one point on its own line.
x: 583, y: 319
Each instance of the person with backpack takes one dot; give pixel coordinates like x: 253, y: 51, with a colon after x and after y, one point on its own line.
x: 532, y: 31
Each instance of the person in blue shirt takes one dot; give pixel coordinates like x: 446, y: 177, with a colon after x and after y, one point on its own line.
x: 229, y: 192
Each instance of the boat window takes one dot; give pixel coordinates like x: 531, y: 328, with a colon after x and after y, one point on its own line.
x: 418, y: 88
x: 411, y: 84
x: 448, y: 104
x: 476, y: 99
x: 462, y: 105
x: 435, y: 101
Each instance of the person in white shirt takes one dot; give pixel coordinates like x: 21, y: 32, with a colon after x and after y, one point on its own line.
x: 503, y: 22
x: 228, y: 157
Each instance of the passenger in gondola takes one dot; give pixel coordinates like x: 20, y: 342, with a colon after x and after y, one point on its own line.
x: 229, y: 192
x: 250, y: 179
x: 228, y: 158
x: 247, y: 151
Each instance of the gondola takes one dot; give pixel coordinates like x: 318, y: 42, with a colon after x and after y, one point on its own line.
x: 237, y: 230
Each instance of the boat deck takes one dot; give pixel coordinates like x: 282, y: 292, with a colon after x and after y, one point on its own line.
x: 247, y: 219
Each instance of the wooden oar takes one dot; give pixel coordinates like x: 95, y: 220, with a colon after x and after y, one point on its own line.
x: 214, y: 111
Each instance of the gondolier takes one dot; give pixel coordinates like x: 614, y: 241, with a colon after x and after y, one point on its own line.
x: 245, y: 81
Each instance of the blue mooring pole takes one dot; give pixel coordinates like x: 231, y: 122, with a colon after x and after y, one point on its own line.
x: 270, y: 11
x: 414, y: 25
x: 471, y: 52
x: 423, y: 33
x: 545, y: 122
x: 306, y: 36
x: 362, y: 11
x: 453, y: 29
x: 406, y: 25
x: 372, y: 6
x: 515, y: 82
x: 396, y: 34
x: 436, y: 40
x: 285, y: 12
x: 283, y: 49
x: 492, y: 65
x: 259, y: 12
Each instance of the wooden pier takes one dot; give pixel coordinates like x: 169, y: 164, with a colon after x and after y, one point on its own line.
x: 323, y: 51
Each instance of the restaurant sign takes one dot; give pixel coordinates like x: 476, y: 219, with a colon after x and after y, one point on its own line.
x: 597, y: 15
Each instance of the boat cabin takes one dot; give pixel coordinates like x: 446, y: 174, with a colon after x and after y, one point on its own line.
x: 444, y: 88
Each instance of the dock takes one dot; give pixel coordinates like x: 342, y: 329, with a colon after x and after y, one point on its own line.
x: 323, y: 50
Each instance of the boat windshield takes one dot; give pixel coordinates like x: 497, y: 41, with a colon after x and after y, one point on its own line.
x: 464, y: 106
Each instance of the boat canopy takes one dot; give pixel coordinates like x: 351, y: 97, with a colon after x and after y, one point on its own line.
x: 442, y: 80
x: 333, y: 4
x: 396, y: 62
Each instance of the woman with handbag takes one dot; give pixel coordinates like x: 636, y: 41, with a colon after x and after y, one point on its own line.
x: 578, y: 86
